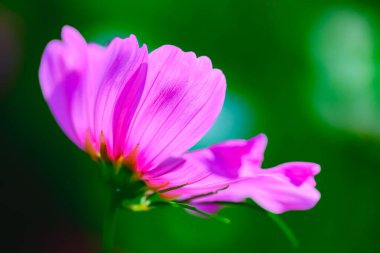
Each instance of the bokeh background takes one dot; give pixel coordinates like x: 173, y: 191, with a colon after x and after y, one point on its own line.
x: 306, y: 73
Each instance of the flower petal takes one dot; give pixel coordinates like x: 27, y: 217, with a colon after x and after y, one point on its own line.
x: 120, y: 90
x: 182, y: 98
x: 208, y: 170
x: 236, y: 158
x: 91, y: 89
x: 230, y: 172
x: 290, y: 186
x: 61, y: 74
x: 175, y: 172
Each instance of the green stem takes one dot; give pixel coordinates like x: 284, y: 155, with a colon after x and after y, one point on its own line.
x: 109, y: 222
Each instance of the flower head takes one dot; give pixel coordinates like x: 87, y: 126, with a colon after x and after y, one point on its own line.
x: 142, y: 111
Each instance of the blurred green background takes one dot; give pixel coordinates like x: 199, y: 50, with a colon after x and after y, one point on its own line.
x: 306, y: 73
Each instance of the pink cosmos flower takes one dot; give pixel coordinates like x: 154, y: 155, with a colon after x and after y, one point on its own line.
x: 144, y: 110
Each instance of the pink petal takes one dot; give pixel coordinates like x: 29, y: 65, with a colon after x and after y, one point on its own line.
x: 207, y: 170
x: 91, y: 89
x: 61, y: 75
x: 120, y: 90
x: 175, y: 172
x: 208, y: 208
x: 236, y: 158
x: 290, y: 186
x: 182, y: 98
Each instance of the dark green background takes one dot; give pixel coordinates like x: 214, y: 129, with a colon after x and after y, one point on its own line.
x: 306, y: 73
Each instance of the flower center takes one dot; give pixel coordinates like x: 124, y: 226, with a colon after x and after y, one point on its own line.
x: 120, y: 174
x: 102, y: 154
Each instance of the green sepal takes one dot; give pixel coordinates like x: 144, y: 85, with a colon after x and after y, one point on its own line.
x: 171, y: 188
x: 204, y: 195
